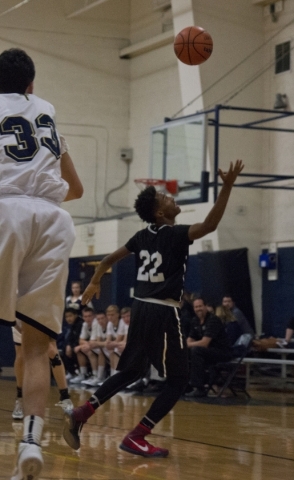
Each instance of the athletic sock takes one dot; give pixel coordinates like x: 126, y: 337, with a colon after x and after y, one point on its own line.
x: 32, y: 429
x: 140, y: 431
x: 94, y: 402
x: 18, y: 392
x: 100, y: 373
x: 147, y: 422
x: 64, y: 395
x: 81, y: 414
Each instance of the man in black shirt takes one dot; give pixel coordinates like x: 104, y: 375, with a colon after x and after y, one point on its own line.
x: 161, y: 251
x: 208, y: 343
x: 71, y: 341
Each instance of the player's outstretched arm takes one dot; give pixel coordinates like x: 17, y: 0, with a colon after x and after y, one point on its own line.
x: 212, y: 220
x: 94, y: 286
x: 69, y: 174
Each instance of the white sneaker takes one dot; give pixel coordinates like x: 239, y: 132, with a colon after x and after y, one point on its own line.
x: 68, y: 376
x: 65, y: 404
x: 282, y: 343
x: 17, y: 413
x: 92, y: 381
x: 29, y: 462
x: 78, y: 379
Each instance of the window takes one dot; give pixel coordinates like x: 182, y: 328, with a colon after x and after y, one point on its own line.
x: 282, y: 57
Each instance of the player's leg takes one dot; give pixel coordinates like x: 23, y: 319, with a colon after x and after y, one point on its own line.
x: 58, y: 371
x: 101, y: 366
x: 83, y: 368
x: 17, y: 413
x: 168, y: 353
x: 133, y: 365
x: 93, y: 359
x: 40, y: 304
x: 134, y: 362
x: 70, y: 362
x: 36, y: 384
x: 114, y: 359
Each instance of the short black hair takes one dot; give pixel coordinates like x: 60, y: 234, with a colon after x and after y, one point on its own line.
x: 146, y: 204
x: 228, y: 295
x: 200, y: 297
x: 17, y: 71
x: 88, y: 309
x: 71, y: 310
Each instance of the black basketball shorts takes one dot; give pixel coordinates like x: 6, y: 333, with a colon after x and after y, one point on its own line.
x: 155, y: 337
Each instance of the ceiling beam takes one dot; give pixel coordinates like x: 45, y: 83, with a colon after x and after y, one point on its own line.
x: 15, y: 7
x: 86, y: 8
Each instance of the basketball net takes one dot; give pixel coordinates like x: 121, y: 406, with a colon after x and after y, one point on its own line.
x: 165, y: 186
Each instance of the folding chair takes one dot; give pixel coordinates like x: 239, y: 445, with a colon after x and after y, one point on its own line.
x: 226, y: 372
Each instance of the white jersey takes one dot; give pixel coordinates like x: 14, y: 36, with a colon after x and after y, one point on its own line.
x: 89, y: 333
x: 113, y: 331
x: 101, y: 334
x: 30, y: 149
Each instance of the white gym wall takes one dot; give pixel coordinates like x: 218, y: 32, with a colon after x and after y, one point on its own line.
x: 105, y: 103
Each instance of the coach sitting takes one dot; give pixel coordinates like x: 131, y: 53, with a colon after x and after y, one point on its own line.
x: 208, y: 344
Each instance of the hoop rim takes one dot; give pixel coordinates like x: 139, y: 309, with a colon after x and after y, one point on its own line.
x: 150, y: 181
x: 170, y: 186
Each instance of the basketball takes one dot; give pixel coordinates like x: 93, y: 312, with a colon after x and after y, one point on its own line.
x: 193, y: 45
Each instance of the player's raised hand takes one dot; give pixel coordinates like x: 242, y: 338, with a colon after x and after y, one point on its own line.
x: 91, y: 290
x: 230, y: 176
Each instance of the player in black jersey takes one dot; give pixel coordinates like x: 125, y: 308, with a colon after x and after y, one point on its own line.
x: 161, y: 252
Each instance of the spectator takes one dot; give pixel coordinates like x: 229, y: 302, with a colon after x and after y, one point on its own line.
x: 76, y: 296
x: 284, y: 342
x: 83, y: 350
x: 186, y: 313
x: 125, y: 314
x: 229, y: 304
x: 208, y: 344
x: 115, y: 335
x: 71, y: 340
x: 97, y: 343
x: 233, y: 329
x: 210, y: 307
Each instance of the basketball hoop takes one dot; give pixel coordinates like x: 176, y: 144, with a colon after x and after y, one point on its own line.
x: 170, y: 186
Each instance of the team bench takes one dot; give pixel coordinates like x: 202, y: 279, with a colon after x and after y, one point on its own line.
x: 267, y: 361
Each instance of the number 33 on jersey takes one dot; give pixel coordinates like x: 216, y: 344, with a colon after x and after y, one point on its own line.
x: 30, y: 148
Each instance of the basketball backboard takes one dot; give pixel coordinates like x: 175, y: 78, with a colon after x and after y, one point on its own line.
x: 178, y: 152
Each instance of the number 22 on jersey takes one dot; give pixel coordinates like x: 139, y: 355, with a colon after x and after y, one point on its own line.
x: 148, y: 271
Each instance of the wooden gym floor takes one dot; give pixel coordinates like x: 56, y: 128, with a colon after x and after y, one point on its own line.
x: 211, y: 439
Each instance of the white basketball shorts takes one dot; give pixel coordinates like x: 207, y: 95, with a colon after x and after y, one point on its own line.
x: 16, y: 336
x: 36, y: 238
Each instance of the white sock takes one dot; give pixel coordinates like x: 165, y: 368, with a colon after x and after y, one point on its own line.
x: 95, y: 373
x: 32, y: 429
x: 83, y: 370
x: 113, y: 371
x: 100, y: 373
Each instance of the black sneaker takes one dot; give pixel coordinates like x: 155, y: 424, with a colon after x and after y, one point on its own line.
x: 197, y: 393
x: 137, y: 386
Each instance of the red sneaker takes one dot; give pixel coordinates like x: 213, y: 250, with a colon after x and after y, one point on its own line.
x: 136, y: 444
x: 74, y: 421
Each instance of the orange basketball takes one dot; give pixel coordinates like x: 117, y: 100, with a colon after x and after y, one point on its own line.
x: 193, y: 45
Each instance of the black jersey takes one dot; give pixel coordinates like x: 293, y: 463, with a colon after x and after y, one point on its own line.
x: 161, y: 258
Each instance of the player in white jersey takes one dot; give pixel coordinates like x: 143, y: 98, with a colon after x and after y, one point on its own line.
x: 36, y: 237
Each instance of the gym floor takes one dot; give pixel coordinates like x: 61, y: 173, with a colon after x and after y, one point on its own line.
x: 208, y: 439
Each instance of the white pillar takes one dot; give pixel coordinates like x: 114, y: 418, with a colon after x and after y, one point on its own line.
x: 190, y: 82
